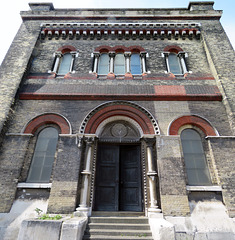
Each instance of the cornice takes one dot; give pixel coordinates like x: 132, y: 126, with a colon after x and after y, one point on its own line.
x: 125, y: 30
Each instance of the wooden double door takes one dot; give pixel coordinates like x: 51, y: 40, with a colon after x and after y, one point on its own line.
x: 118, y: 178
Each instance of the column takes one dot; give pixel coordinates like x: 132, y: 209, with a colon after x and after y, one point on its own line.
x: 127, y: 60
x: 128, y: 75
x: 182, y: 56
x: 111, y: 63
x: 74, y: 54
x: 58, y: 55
x: 143, y: 60
x: 165, y: 55
x: 111, y: 66
x: 96, y: 56
x: 152, y: 176
x: 84, y: 206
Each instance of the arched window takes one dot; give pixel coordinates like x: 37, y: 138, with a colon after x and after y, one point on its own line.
x: 135, y: 63
x: 195, y: 160
x: 65, y: 64
x: 119, y: 64
x: 103, y: 66
x: 43, y: 157
x: 175, y: 60
x: 174, y: 64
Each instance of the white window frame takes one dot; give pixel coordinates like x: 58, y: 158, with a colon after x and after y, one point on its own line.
x: 181, y: 56
x: 58, y: 59
x: 127, y: 56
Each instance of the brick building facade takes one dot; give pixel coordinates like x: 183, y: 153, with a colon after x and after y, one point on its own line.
x: 121, y: 110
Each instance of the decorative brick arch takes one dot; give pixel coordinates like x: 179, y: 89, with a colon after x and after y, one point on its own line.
x: 67, y: 49
x: 173, y: 49
x: 120, y: 48
x: 103, y: 49
x: 48, y: 118
x: 197, y: 121
x: 124, y: 109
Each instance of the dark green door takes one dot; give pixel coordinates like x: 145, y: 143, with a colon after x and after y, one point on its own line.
x: 118, y: 178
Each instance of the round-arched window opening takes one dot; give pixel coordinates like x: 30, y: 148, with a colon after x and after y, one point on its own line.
x: 194, y: 157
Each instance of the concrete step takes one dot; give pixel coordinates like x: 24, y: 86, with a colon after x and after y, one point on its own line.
x: 130, y: 220
x: 116, y: 214
x: 118, y: 226
x: 103, y: 237
x: 119, y: 232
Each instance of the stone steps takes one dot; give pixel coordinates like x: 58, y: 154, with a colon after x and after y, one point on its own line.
x: 118, y: 227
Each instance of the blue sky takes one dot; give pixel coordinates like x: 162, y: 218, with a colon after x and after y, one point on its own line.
x: 11, y: 22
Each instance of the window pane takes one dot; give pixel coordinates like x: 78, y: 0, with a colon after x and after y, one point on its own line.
x: 65, y: 64
x: 194, y: 156
x: 119, y: 64
x: 43, y: 158
x: 103, y: 65
x: 174, y: 64
x: 135, y: 64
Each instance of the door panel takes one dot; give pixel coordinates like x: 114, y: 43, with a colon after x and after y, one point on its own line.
x: 130, y: 182
x: 107, y: 179
x: 118, y: 178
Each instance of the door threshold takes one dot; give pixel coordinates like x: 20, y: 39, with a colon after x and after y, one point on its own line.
x: 116, y: 214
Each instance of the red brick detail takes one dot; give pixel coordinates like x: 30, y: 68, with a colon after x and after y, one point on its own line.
x: 128, y: 76
x: 171, y: 90
x: 120, y: 110
x: 49, y: 118
x: 103, y: 49
x: 128, y: 97
x: 111, y: 76
x: 173, y: 48
x: 67, y: 48
x: 192, y: 120
x: 94, y: 76
x: 120, y: 48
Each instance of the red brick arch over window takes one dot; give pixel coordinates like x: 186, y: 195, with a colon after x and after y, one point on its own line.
x: 191, y: 120
x: 67, y: 49
x: 173, y: 49
x: 120, y: 48
x: 120, y: 110
x: 48, y: 118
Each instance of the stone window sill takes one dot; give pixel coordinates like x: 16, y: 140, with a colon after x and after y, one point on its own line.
x: 204, y: 188
x: 34, y: 185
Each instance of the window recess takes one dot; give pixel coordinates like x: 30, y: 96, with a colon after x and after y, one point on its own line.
x: 43, y: 157
x: 195, y: 160
x: 63, y: 63
x: 175, y: 62
x: 119, y: 63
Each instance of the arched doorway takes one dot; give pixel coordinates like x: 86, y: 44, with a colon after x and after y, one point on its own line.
x: 118, y: 184
x: 119, y: 171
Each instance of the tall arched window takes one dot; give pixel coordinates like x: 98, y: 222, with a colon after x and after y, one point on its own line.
x: 65, y: 64
x: 119, y: 64
x: 135, y: 63
x: 174, y: 64
x: 103, y: 66
x: 43, y: 157
x: 195, y: 160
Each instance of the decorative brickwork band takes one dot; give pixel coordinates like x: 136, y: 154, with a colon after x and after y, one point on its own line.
x: 199, y: 122
x: 121, y: 92
x: 119, y: 31
x: 48, y: 118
